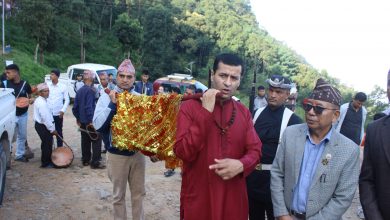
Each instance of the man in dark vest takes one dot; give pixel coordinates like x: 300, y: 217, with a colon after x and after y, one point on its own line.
x: 269, y: 122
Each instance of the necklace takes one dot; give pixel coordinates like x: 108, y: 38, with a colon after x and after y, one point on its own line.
x: 230, y: 122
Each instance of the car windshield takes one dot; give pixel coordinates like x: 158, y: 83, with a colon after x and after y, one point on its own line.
x: 199, y: 85
x: 81, y: 71
x: 112, y: 71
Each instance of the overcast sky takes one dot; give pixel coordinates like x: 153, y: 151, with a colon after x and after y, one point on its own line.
x: 348, y: 38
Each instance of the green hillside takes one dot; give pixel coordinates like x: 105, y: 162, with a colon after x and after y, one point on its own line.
x: 29, y: 70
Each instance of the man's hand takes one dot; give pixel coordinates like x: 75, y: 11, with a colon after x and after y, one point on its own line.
x: 112, y: 96
x: 78, y: 123
x: 61, y: 114
x: 54, y: 133
x: 227, y: 168
x: 284, y: 217
x: 208, y: 99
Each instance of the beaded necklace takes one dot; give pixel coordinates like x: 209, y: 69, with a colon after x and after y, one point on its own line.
x: 230, y: 122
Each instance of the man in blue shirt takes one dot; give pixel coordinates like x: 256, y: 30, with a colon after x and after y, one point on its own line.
x: 315, y: 171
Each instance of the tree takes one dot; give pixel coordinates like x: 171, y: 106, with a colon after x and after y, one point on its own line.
x: 376, y: 101
x: 37, y: 19
x: 129, y: 33
x: 157, y: 46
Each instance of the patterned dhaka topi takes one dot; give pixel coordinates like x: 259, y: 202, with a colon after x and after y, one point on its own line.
x: 323, y: 91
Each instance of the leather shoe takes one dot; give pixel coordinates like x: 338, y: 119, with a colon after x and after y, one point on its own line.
x: 98, y: 166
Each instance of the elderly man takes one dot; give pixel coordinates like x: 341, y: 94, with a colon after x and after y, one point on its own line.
x: 83, y: 108
x: 44, y: 124
x: 315, y: 171
x: 270, y: 121
x: 58, y: 102
x: 104, y: 84
x: 123, y: 166
x: 219, y: 147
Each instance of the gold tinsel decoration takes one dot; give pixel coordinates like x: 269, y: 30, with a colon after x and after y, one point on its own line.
x: 147, y: 124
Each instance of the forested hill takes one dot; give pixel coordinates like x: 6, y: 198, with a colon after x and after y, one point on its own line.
x: 163, y: 36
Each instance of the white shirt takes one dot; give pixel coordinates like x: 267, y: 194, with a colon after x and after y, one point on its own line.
x: 102, y: 110
x: 259, y: 102
x: 42, y: 115
x: 58, y: 93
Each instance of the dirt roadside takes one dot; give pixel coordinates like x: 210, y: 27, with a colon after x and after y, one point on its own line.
x: 79, y: 192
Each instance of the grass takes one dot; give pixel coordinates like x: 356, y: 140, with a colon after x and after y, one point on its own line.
x: 30, y: 71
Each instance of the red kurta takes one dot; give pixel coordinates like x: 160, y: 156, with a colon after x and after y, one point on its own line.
x: 204, y: 194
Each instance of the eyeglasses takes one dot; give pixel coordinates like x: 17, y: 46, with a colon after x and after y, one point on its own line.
x: 317, y: 109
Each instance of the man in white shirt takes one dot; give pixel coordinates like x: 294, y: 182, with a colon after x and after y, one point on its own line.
x: 44, y: 124
x: 261, y: 99
x: 58, y: 101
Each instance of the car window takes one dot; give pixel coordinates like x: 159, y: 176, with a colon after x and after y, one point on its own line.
x: 199, y: 85
x: 76, y: 72
x: 113, y: 71
x: 183, y: 88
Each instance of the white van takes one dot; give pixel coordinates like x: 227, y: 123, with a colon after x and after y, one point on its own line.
x: 69, y: 78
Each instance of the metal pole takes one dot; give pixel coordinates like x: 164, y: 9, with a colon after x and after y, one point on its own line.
x: 253, y: 91
x: 2, y: 21
x: 258, y: 67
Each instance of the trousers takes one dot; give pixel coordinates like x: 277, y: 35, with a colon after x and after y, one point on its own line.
x: 46, y: 143
x: 123, y: 170
x: 86, y: 144
x: 58, y: 122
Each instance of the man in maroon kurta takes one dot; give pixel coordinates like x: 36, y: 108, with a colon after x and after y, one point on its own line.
x: 219, y: 147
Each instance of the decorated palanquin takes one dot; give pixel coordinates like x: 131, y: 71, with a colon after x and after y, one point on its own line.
x: 147, y: 124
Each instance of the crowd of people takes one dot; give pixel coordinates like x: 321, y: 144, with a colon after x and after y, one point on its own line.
x: 235, y: 165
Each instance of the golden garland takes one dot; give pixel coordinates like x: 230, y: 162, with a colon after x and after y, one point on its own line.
x: 148, y: 124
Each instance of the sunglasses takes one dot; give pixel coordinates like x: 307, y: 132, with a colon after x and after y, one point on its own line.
x: 317, y: 109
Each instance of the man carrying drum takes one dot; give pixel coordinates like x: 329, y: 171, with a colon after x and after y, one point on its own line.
x: 22, y: 92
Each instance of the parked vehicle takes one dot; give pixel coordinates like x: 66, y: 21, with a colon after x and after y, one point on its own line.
x: 7, y: 128
x: 181, y: 81
x: 69, y: 78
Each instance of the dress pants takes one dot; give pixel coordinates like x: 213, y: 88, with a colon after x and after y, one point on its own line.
x: 259, y: 195
x: 46, y: 143
x: 122, y: 170
x: 106, y: 139
x: 258, y: 210
x: 86, y: 144
x: 58, y: 122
